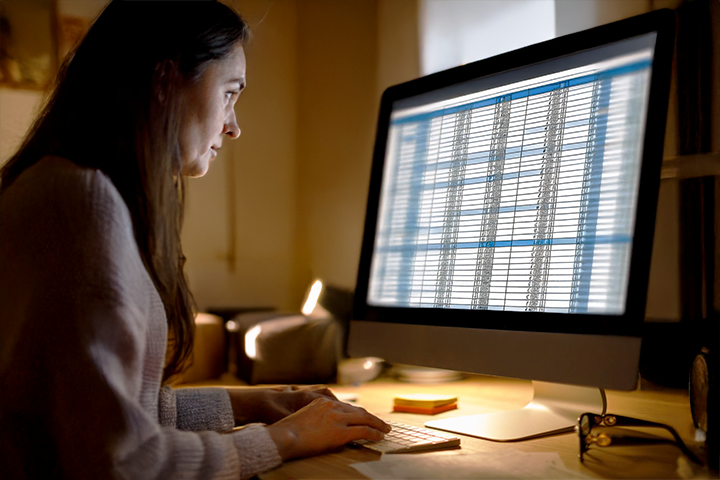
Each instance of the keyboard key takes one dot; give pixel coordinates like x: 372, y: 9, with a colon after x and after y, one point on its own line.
x: 407, y: 438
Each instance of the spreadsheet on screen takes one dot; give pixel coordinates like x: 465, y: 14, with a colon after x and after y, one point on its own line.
x: 517, y: 197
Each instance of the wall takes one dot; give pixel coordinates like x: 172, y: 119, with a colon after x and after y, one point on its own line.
x: 337, y: 103
x: 29, y: 48
x: 350, y: 52
x: 240, y: 228
x: 456, y: 32
x: 575, y: 15
x: 17, y: 111
x: 398, y: 49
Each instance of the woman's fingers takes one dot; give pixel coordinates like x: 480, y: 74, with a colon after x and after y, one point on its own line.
x: 322, y: 425
x: 363, y: 432
x: 316, y: 389
x: 327, y: 392
x: 360, y: 417
x: 323, y: 390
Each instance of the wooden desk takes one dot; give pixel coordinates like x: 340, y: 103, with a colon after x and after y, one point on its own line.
x: 488, y: 394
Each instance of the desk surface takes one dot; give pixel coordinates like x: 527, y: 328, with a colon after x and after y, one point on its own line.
x: 488, y: 394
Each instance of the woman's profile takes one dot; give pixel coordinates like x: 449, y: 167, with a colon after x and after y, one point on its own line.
x: 95, y: 313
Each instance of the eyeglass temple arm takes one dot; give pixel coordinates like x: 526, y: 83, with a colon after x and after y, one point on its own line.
x: 636, y: 422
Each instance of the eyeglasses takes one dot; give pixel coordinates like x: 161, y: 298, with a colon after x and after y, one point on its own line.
x: 605, y: 438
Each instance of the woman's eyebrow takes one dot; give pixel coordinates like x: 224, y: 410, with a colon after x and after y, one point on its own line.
x: 240, y: 81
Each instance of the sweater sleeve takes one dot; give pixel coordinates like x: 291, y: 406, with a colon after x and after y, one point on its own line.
x: 196, y: 409
x: 74, y: 305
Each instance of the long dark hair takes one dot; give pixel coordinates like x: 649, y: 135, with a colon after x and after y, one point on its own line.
x: 116, y: 106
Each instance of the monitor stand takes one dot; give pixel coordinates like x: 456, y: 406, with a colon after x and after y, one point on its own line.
x: 554, y: 409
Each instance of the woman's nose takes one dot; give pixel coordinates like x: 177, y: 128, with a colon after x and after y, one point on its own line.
x: 231, y: 128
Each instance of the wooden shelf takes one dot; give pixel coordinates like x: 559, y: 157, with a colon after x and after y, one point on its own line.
x: 691, y: 166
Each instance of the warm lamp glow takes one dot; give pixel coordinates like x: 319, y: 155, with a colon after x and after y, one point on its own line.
x: 250, y: 341
x: 205, y: 319
x: 312, y: 298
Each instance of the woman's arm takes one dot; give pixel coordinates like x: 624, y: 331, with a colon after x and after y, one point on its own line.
x: 271, y: 404
x: 76, y: 302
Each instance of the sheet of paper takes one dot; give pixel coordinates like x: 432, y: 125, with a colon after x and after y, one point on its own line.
x: 504, y: 464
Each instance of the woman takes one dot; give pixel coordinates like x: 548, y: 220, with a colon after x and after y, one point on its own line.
x: 91, y: 280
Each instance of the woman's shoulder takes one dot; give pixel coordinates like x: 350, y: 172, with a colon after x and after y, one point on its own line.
x: 57, y: 182
x: 57, y: 194
x: 53, y: 171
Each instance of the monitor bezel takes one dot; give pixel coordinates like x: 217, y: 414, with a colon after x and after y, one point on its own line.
x: 629, y: 323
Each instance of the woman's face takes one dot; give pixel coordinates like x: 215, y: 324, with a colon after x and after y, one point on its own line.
x: 211, y: 115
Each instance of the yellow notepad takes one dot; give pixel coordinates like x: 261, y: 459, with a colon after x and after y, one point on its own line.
x: 423, y: 410
x: 424, y: 400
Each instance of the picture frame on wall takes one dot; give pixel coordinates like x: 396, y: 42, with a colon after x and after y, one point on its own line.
x: 37, y: 35
x: 28, y: 57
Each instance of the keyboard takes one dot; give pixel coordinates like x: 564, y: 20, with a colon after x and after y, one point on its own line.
x: 406, y: 439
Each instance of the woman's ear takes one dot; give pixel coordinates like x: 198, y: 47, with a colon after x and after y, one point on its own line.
x: 163, y: 73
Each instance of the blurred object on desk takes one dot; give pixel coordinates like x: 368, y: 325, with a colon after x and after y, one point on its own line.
x: 290, y: 347
x: 415, y: 374
x: 356, y: 371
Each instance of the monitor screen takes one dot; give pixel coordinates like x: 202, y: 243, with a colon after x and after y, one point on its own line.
x: 516, y: 191
x: 512, y: 206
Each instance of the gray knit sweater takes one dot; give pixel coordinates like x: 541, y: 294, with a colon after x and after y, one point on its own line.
x: 82, y: 347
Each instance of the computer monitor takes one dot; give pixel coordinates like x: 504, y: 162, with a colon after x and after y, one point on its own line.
x: 510, y: 220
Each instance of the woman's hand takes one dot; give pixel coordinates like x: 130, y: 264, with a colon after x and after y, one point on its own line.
x: 322, y: 425
x: 268, y: 405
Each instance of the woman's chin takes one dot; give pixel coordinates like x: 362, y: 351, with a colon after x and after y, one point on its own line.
x: 196, y: 169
